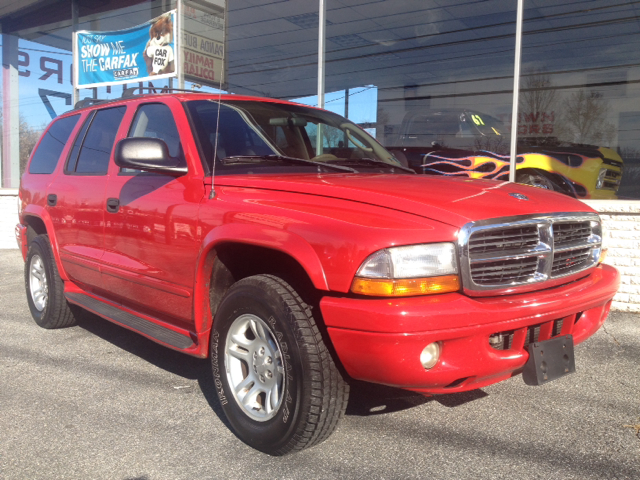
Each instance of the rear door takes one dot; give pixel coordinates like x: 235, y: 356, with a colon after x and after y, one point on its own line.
x: 151, y: 235
x: 78, y: 212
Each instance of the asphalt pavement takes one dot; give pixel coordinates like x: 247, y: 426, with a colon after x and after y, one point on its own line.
x: 96, y: 401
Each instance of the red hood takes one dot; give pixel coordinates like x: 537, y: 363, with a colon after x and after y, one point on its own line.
x: 455, y: 201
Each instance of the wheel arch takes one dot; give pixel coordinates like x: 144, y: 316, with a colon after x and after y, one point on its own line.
x: 38, y: 222
x: 232, y: 252
x: 565, y: 185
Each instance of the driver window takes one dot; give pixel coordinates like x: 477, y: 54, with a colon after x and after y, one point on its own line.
x: 155, y: 120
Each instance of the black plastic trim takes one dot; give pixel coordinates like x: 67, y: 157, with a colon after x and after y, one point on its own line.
x: 138, y: 324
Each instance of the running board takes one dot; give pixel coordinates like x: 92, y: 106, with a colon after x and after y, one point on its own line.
x: 139, y: 324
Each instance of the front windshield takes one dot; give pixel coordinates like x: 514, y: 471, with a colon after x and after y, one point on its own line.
x: 235, y: 131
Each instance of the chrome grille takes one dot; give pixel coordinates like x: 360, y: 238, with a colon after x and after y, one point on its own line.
x: 570, y: 261
x: 504, y: 271
x: 568, y: 233
x: 514, y: 254
x: 507, y: 239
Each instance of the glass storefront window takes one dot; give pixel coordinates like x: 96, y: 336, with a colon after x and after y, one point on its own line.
x: 579, y: 99
x: 431, y: 81
x: 440, y: 73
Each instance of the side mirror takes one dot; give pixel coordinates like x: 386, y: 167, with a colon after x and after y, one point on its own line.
x: 148, y: 154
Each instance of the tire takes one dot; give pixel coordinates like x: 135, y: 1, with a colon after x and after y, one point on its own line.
x: 274, y: 376
x: 537, y: 180
x: 45, y: 288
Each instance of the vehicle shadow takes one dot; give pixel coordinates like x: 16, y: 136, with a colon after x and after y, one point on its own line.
x: 365, y: 398
x: 162, y: 357
x: 370, y: 399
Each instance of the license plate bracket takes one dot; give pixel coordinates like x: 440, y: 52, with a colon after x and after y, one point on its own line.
x: 549, y: 360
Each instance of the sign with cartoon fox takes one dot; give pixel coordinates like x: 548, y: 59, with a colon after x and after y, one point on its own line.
x: 141, y: 53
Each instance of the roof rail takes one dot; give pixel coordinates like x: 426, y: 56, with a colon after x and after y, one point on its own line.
x: 129, y: 92
x: 87, y: 102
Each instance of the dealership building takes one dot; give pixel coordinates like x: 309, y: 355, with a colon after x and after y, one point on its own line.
x: 547, y: 90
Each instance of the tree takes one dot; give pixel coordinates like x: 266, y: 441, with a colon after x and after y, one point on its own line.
x: 538, y: 104
x: 28, y: 135
x: 584, y: 118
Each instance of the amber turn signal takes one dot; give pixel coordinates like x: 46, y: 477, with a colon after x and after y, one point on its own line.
x: 386, y: 287
x: 603, y: 255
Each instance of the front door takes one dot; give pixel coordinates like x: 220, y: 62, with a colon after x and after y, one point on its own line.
x: 151, y: 235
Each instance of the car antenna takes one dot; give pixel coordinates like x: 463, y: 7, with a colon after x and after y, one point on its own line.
x: 212, y: 194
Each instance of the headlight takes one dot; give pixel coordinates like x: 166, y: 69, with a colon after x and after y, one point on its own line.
x: 601, y: 175
x: 410, y: 270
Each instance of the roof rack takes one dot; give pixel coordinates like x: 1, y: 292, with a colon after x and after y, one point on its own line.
x: 87, y: 102
x: 128, y: 93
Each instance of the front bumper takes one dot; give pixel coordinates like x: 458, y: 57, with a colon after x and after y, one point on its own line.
x: 380, y: 340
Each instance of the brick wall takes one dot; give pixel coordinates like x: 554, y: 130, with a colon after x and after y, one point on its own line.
x: 621, y: 220
x: 8, y: 217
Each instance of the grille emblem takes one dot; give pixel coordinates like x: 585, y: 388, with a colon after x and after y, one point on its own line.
x: 519, y: 196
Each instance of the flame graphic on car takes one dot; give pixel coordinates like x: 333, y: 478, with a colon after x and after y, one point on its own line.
x: 575, y: 170
x: 490, y: 165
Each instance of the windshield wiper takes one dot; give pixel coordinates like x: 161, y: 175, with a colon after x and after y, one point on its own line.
x: 283, y: 158
x: 372, y: 161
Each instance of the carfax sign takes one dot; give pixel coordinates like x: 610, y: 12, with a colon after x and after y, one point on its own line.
x: 141, y: 53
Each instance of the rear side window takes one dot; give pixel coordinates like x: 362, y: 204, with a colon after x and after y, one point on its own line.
x: 46, y: 157
x: 94, y: 144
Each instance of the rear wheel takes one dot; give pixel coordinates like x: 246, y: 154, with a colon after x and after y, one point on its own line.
x: 45, y: 288
x: 274, y: 376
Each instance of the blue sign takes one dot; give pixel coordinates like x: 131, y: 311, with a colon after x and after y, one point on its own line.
x: 141, y: 53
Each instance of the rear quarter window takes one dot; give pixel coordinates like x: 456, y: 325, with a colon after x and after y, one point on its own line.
x: 46, y: 156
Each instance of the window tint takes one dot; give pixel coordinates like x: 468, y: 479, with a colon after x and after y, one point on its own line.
x: 98, y: 143
x: 46, y: 156
x: 73, y: 156
x: 155, y: 120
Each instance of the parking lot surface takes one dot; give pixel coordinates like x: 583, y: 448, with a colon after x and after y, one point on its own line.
x: 98, y: 401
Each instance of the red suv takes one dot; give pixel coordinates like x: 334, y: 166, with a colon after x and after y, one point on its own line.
x: 291, y: 248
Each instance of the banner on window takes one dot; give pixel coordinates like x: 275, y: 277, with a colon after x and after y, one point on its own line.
x: 141, y: 53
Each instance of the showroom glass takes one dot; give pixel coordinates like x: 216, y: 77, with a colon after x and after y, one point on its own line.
x: 578, y: 83
x: 42, y: 62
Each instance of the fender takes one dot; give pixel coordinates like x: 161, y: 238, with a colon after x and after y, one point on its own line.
x: 33, y: 210
x: 289, y: 243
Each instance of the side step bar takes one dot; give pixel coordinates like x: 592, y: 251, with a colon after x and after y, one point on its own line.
x: 138, y: 324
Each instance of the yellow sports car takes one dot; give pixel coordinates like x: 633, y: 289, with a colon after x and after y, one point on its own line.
x: 468, y: 143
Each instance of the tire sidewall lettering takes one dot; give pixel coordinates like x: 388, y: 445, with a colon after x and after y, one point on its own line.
x: 222, y: 397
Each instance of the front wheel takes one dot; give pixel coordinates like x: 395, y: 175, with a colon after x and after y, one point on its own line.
x: 274, y: 376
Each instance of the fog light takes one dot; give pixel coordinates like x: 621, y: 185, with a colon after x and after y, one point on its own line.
x: 430, y: 355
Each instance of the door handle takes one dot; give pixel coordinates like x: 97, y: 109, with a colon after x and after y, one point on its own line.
x: 113, y: 205
x: 52, y: 199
